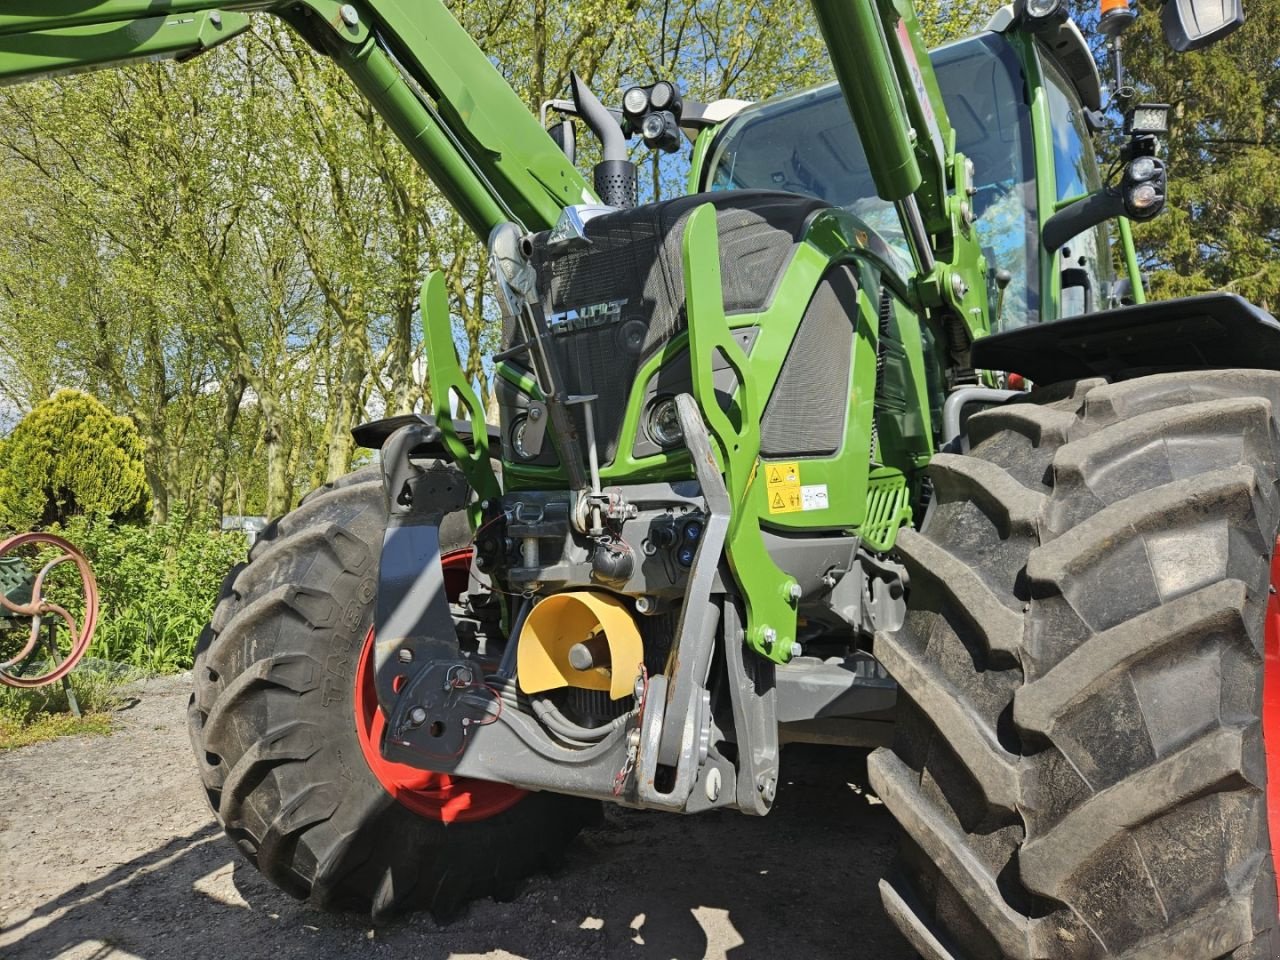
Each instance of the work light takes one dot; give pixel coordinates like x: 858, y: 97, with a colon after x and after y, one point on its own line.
x: 635, y: 102
x: 1148, y: 119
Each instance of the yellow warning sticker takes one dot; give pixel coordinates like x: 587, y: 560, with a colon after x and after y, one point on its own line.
x: 782, y: 485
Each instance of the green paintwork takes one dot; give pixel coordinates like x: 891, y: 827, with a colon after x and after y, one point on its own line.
x: 448, y: 380
x: 698, y: 160
x: 67, y: 49
x: 771, y: 616
x: 1131, y: 260
x: 854, y: 35
x: 908, y: 394
x: 888, y: 508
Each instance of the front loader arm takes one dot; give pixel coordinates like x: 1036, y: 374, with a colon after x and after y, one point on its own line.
x: 423, y: 73
x: 884, y: 70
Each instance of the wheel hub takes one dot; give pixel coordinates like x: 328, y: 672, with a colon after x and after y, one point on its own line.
x: 435, y: 796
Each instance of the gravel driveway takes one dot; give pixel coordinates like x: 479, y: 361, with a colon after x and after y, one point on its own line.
x: 108, y: 852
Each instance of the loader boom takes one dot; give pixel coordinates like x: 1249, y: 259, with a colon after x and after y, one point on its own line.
x: 480, y: 143
x: 416, y: 64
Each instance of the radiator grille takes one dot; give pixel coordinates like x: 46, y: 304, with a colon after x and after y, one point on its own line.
x: 806, y: 414
x: 616, y: 302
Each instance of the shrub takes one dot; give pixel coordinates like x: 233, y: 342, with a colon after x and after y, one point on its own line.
x: 157, y: 584
x: 71, y: 456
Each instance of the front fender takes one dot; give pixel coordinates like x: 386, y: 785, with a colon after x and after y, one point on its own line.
x: 1213, y: 331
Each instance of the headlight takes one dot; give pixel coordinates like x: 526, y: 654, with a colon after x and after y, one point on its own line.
x: 1143, y: 197
x: 1144, y: 168
x: 653, y: 126
x: 1040, y: 12
x: 662, y: 96
x: 663, y: 424
x: 635, y: 102
x: 518, y: 431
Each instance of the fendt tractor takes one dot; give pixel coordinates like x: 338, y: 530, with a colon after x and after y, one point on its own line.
x: 862, y: 442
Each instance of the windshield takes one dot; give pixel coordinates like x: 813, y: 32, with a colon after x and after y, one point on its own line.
x: 806, y: 143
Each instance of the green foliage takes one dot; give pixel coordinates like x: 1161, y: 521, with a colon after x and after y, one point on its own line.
x: 1221, y: 228
x: 70, y: 456
x: 32, y: 716
x: 158, y: 585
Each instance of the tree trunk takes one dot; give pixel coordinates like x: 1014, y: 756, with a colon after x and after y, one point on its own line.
x: 215, y: 490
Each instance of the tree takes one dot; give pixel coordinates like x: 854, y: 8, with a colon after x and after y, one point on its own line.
x: 1221, y: 227
x: 70, y: 456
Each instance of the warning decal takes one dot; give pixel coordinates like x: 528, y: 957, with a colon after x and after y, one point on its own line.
x: 782, y: 484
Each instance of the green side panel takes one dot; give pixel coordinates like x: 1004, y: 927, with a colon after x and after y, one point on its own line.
x: 771, y: 615
x: 67, y: 49
x: 903, y: 400
x: 836, y: 484
x: 888, y: 508
x: 448, y: 378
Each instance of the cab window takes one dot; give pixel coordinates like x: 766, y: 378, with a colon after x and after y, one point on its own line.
x: 1085, y: 261
x: 807, y: 143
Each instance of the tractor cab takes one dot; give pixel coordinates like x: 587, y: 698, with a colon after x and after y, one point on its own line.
x: 1024, y: 110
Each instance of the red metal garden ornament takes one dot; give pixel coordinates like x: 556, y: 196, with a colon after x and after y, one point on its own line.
x: 38, y: 610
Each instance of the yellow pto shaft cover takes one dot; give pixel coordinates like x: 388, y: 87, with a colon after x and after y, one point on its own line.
x: 580, y: 639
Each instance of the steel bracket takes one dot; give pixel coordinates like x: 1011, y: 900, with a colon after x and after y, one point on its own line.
x: 767, y: 589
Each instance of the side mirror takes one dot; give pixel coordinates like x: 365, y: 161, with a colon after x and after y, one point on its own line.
x: 565, y: 134
x: 1192, y: 24
x: 1122, y: 292
x: 1140, y: 197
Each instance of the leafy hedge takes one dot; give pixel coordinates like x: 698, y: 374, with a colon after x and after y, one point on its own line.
x: 157, y: 585
x: 71, y: 456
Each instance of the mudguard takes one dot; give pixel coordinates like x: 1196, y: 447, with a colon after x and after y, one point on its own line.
x: 372, y: 435
x: 1217, y: 330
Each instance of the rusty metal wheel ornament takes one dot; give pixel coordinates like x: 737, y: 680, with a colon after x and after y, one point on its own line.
x: 38, y: 609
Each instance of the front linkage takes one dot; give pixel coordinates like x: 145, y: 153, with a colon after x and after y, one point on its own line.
x: 446, y: 715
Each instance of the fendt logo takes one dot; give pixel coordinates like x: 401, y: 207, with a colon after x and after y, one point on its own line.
x: 581, y: 318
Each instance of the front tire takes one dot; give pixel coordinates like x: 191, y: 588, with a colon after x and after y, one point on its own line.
x: 1082, y: 768
x: 281, y: 725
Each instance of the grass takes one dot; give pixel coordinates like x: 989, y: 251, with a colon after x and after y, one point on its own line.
x: 50, y: 726
x: 35, y: 716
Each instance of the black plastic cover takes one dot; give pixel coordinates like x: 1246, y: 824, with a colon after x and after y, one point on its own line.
x: 371, y: 436
x: 1217, y: 330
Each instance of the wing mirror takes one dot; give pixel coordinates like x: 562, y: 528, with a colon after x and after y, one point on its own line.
x: 565, y: 135
x: 1192, y: 24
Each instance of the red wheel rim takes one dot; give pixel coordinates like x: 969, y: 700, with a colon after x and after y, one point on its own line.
x: 436, y: 796
x: 1271, y: 709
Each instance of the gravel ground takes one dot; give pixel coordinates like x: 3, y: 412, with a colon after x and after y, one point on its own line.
x: 108, y: 852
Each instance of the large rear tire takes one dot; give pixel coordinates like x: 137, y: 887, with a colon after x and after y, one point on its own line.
x: 282, y: 720
x: 1082, y: 766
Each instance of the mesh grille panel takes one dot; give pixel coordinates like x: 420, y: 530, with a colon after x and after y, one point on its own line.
x: 620, y: 299
x: 806, y: 414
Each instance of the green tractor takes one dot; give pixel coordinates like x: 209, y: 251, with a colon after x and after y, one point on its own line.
x: 862, y: 442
